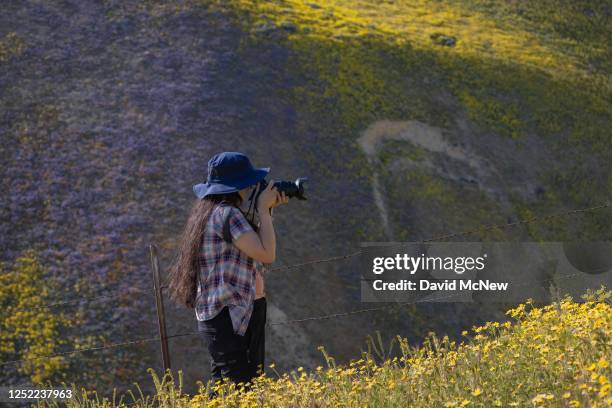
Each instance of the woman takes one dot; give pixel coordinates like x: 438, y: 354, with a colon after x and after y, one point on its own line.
x: 219, y: 267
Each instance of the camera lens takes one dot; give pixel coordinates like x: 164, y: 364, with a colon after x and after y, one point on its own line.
x: 292, y: 189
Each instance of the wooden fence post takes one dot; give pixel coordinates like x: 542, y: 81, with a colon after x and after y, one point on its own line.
x: 159, y: 302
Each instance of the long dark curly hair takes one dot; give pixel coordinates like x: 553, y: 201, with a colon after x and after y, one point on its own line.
x: 183, y: 273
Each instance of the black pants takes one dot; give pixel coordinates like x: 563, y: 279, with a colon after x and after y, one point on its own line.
x: 237, y: 358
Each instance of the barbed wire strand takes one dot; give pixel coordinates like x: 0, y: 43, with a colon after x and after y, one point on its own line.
x: 292, y: 321
x: 451, y: 235
x: 333, y: 315
x: 79, y: 300
x: 350, y: 255
x: 395, y: 304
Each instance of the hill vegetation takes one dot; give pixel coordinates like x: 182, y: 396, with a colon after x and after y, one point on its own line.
x: 27, y: 330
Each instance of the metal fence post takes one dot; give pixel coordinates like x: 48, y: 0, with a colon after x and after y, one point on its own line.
x: 159, y: 302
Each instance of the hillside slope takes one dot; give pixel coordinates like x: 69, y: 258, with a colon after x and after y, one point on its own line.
x: 412, y: 119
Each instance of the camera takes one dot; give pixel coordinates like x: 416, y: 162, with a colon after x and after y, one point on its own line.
x: 292, y: 189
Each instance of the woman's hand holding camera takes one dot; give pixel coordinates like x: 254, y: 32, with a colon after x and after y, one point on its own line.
x: 281, y: 198
x: 270, y: 197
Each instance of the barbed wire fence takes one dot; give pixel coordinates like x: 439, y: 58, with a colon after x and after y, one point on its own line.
x: 285, y: 322
x: 158, y: 287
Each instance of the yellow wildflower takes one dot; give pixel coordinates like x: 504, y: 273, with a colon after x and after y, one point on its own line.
x: 602, y: 363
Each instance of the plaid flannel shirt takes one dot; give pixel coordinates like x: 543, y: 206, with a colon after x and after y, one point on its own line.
x: 227, y: 275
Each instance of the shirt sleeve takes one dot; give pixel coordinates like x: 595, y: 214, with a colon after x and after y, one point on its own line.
x: 238, y: 224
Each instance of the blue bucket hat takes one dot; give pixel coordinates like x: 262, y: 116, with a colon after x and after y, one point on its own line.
x: 229, y: 172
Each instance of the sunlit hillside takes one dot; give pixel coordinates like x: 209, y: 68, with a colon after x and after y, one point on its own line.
x: 412, y: 120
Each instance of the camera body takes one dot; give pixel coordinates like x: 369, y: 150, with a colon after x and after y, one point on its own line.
x: 292, y: 189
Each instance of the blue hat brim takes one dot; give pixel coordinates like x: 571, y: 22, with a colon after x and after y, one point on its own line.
x: 205, y: 189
